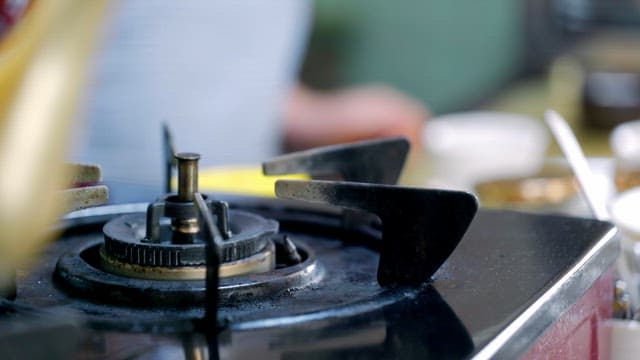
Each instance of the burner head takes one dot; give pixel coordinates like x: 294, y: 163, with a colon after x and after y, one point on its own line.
x: 167, y: 243
x: 163, y: 257
x: 328, y: 259
x: 128, y: 251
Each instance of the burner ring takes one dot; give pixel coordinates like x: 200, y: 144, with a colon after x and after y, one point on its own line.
x: 124, y: 241
x: 260, y: 262
x: 79, y: 271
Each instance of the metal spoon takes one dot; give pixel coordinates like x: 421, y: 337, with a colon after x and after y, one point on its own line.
x: 572, y: 151
x: 595, y: 198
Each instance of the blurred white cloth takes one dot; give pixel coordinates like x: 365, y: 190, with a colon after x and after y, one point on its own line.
x: 216, y: 71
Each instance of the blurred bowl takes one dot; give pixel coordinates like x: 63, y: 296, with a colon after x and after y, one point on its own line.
x: 467, y: 148
x: 625, y: 213
x: 549, y: 190
x: 625, y: 143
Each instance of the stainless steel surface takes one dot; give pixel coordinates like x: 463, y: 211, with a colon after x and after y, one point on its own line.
x: 532, y: 322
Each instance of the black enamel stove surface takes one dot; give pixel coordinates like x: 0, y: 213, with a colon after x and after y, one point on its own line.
x: 503, y: 265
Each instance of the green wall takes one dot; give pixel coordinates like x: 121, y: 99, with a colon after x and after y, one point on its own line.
x: 449, y: 53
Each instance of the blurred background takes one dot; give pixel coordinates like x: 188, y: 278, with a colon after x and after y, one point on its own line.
x: 238, y: 81
x: 578, y: 56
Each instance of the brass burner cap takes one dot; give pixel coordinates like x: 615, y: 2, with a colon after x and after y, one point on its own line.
x: 263, y: 261
x: 124, y: 241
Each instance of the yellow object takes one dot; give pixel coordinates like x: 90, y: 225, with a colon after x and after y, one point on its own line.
x: 243, y: 180
x: 42, y: 66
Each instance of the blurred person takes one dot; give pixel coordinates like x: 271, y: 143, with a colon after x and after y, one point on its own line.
x: 314, y: 118
x: 220, y: 74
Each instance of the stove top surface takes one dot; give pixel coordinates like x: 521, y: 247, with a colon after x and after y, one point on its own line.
x: 355, y: 268
x: 509, y: 278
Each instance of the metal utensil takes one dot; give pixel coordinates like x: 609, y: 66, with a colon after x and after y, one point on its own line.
x: 597, y: 202
x: 572, y: 151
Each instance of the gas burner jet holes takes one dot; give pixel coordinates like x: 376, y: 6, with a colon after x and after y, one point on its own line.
x: 127, y: 252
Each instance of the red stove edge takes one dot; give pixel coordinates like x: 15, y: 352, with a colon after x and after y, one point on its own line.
x: 580, y: 332
x: 565, y: 322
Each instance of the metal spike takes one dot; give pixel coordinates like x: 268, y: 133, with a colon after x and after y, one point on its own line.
x: 213, y: 240
x: 169, y: 156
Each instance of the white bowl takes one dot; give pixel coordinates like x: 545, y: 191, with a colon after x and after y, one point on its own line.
x: 625, y: 142
x: 466, y: 148
x: 625, y: 213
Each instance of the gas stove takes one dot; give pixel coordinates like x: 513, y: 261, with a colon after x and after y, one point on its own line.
x: 346, y: 265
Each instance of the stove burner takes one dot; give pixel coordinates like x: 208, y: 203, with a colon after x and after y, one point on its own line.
x: 159, y: 258
x: 352, y: 276
x: 82, y: 270
x: 190, y: 257
x: 260, y: 262
x: 331, y: 274
x: 167, y: 243
x: 127, y: 250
